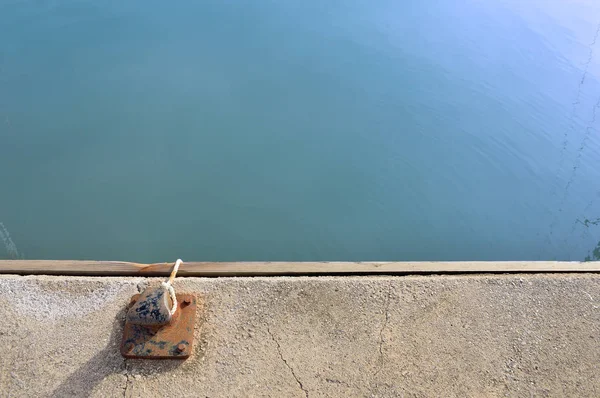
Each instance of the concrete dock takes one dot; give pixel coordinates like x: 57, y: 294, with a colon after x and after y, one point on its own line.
x: 488, y: 335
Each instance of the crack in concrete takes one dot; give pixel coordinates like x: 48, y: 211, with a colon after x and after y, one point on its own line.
x: 335, y: 381
x: 126, y: 379
x: 286, y: 363
x: 383, y: 327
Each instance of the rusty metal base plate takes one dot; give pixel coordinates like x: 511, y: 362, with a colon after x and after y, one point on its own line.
x: 171, y: 341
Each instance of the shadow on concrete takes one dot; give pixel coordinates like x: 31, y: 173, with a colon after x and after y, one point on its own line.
x: 84, y: 380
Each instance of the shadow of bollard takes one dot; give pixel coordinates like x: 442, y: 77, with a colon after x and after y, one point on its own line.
x: 83, y: 381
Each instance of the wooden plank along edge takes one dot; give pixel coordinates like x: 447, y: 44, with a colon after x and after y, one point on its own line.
x: 118, y: 268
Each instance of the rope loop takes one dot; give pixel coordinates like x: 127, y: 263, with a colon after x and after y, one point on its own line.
x: 169, y: 287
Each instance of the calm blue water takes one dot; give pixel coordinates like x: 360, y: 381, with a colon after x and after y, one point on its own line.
x: 299, y: 130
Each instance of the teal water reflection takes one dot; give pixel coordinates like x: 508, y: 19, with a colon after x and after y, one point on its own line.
x: 262, y: 130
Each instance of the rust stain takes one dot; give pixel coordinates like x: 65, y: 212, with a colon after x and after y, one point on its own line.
x: 171, y: 341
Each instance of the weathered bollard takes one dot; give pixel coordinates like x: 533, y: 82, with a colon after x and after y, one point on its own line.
x: 159, y: 324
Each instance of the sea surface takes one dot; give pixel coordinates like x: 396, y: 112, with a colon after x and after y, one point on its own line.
x: 300, y: 130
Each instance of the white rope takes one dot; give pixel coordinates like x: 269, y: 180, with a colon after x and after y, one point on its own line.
x: 168, y: 285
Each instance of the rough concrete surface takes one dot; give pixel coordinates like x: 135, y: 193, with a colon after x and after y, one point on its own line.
x: 423, y: 336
